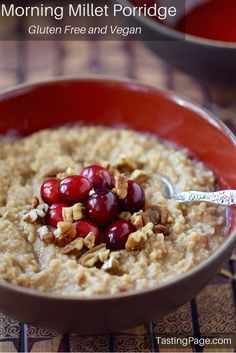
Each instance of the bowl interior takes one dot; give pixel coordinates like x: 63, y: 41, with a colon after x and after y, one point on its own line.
x: 125, y: 104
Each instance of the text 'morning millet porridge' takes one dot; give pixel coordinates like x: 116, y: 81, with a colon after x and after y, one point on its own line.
x: 82, y: 213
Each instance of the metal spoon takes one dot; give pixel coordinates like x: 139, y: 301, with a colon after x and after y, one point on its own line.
x: 222, y: 197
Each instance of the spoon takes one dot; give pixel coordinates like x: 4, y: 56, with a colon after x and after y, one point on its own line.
x: 222, y: 197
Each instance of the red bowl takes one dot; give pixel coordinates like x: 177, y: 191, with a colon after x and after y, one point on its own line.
x: 29, y: 108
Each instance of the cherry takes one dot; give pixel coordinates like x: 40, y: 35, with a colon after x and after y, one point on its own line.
x: 74, y: 189
x: 84, y: 227
x: 100, y: 177
x: 102, y: 207
x: 49, y: 191
x: 117, y: 234
x: 135, y: 199
x: 54, y: 214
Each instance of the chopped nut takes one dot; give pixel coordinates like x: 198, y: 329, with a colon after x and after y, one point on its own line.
x: 89, y: 240
x: 163, y: 211
x: 121, y: 185
x: 160, y: 228
x: 52, y: 172
x: 64, y: 173
x: 138, y: 239
x: 33, y: 215
x: 73, y: 213
x: 152, y: 214
x: 64, y: 233
x: 111, y: 265
x: 103, y: 256
x: 34, y: 202
x: 67, y: 214
x: 157, y: 214
x: 77, y: 211
x: 46, y: 235
x: 125, y: 216
x: 139, y: 176
x: 125, y: 164
x: 91, y: 257
x: 137, y: 219
x: 73, y: 248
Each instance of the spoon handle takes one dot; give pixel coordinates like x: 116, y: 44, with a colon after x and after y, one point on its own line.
x: 223, y: 197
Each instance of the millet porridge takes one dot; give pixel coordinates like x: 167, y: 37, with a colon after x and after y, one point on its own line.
x: 49, y: 248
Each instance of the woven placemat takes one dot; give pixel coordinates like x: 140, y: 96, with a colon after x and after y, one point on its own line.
x: 212, y: 313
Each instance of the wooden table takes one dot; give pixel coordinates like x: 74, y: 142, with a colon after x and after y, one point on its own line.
x: 213, y: 311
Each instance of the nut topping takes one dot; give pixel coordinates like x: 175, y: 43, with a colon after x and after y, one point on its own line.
x: 64, y: 233
x: 89, y: 240
x: 91, y: 257
x: 137, y: 219
x: 112, y: 264
x: 65, y: 173
x: 46, y: 235
x: 125, y: 216
x: 152, y: 214
x: 73, y: 213
x: 140, y: 176
x: 160, y: 228
x: 33, y: 215
x: 137, y: 240
x: 157, y: 214
x: 163, y: 211
x: 34, y: 202
x: 125, y: 163
x: 121, y: 185
x: 73, y: 248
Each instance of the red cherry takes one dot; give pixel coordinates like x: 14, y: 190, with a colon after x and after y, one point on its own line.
x: 135, y: 199
x: 117, y: 234
x: 74, y: 189
x: 100, y: 177
x: 49, y: 191
x: 84, y: 227
x: 102, y: 207
x: 54, y: 214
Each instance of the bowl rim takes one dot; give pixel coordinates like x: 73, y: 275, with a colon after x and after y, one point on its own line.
x: 179, y: 36
x: 170, y: 95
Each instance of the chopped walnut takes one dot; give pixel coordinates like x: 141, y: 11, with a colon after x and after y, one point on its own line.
x: 98, y: 254
x: 140, y: 176
x: 137, y: 219
x: 73, y: 213
x: 138, y: 239
x: 46, y: 235
x: 121, y: 185
x: 125, y: 216
x: 36, y: 213
x: 89, y: 240
x: 103, y: 256
x: 152, y: 214
x: 160, y: 228
x: 73, y: 248
x: 64, y: 233
x: 163, y: 211
x: 52, y: 172
x: 124, y: 164
x: 77, y: 211
x: 34, y: 202
x: 112, y: 264
x: 66, y: 172
x: 31, y: 216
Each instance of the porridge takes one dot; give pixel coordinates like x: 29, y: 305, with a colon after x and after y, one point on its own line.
x: 82, y: 211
